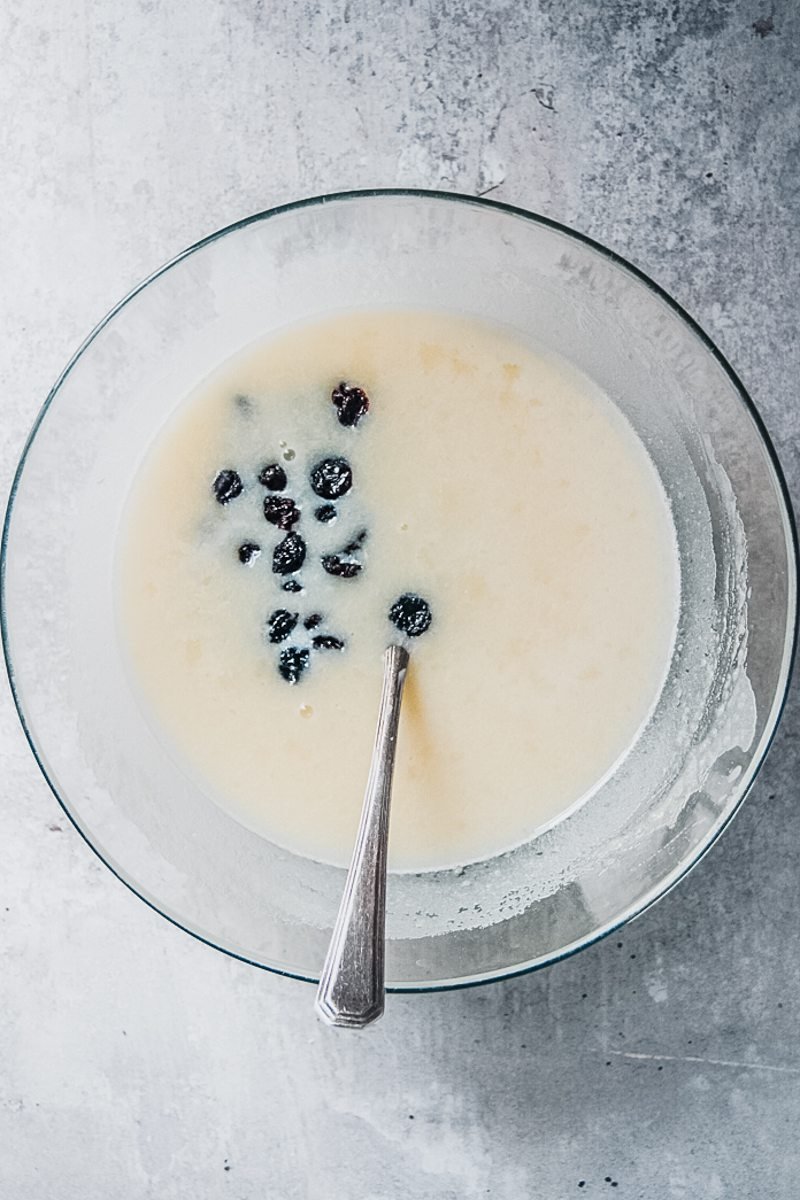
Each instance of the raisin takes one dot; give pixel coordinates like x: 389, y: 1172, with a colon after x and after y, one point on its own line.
x: 332, y: 478
x: 292, y: 585
x: 280, y: 625
x: 411, y: 614
x: 289, y: 555
x: 335, y: 565
x: 325, y: 641
x: 293, y: 662
x: 313, y: 621
x: 281, y: 511
x: 273, y: 477
x: 227, y: 486
x: 325, y: 513
x: 352, y: 403
x: 356, y: 544
x: 248, y: 552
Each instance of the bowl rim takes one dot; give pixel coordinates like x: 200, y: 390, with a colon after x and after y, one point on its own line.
x: 778, y: 705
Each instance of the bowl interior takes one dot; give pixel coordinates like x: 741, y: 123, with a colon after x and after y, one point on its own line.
x: 687, y: 772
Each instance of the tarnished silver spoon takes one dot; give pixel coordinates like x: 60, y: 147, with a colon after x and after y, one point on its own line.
x: 351, y: 988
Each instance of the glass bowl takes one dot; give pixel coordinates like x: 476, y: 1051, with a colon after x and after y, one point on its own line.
x: 688, y: 771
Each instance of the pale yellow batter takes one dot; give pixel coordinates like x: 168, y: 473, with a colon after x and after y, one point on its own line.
x: 498, y: 484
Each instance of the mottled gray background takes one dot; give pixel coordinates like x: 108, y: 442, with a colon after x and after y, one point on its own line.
x: 137, y: 1063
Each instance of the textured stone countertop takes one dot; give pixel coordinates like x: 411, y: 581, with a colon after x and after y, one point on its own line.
x: 136, y: 1062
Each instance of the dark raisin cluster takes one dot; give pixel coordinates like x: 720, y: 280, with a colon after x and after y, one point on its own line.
x: 299, y: 636
x: 331, y: 480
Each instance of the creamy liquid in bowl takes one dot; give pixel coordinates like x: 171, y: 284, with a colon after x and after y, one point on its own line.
x: 499, y: 485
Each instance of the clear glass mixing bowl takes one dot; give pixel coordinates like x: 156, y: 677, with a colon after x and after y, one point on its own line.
x: 687, y: 773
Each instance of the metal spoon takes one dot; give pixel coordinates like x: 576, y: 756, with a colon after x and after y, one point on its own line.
x: 351, y: 988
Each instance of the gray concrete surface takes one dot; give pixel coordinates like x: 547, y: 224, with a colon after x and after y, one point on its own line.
x: 136, y: 1063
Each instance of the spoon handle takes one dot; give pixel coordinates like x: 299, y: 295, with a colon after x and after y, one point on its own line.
x: 351, y: 989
